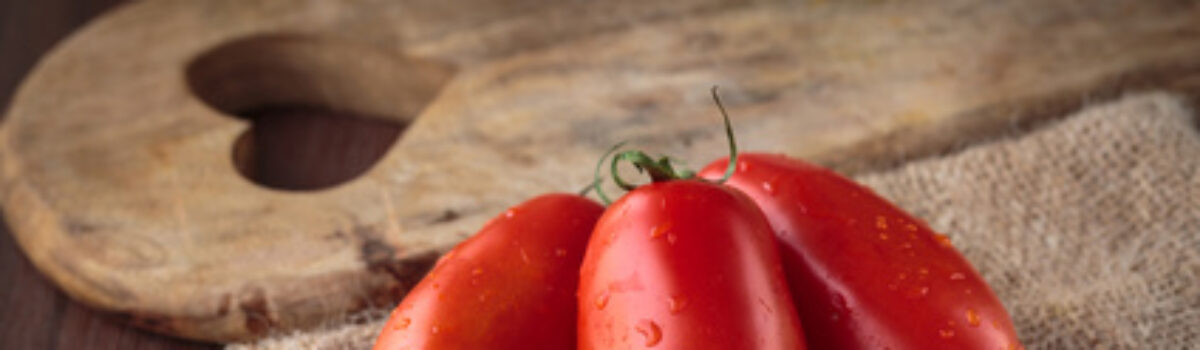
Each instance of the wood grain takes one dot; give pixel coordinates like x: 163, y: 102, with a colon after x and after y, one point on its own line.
x: 36, y: 314
x: 142, y: 210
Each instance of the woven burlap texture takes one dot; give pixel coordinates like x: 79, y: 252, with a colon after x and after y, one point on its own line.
x: 1087, y: 229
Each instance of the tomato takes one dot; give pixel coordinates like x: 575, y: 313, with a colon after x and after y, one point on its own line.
x: 864, y: 274
x: 684, y: 264
x: 511, y: 286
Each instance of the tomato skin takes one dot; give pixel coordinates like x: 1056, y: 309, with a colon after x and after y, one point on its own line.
x: 865, y: 274
x: 511, y: 286
x: 684, y: 265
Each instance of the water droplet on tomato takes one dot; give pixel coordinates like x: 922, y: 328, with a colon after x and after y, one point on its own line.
x: 972, y: 318
x: 402, y: 324
x: 881, y: 222
x: 649, y: 331
x: 676, y: 303
x: 910, y: 227
x: 841, y: 307
x: 767, y: 308
x: 923, y: 271
x: 524, y: 256
x: 660, y: 229
x: 434, y: 329
x: 905, y: 245
x: 743, y: 166
x: 671, y: 238
x: 946, y: 333
x: 839, y: 302
x: 883, y: 236
x: 602, y: 300
x: 769, y: 187
x: 943, y: 240
x: 957, y: 276
x: 560, y: 252
x: 902, y: 276
x: 916, y: 292
x: 509, y: 214
x: 477, y: 271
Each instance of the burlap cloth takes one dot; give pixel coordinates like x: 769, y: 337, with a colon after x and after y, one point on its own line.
x: 1088, y: 229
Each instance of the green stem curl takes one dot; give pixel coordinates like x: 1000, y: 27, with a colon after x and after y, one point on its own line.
x: 597, y: 179
x: 660, y: 170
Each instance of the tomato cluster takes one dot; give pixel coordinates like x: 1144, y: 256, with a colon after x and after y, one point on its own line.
x: 739, y: 256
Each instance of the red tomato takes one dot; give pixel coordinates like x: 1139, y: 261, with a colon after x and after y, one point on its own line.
x: 684, y: 264
x: 864, y: 274
x: 511, y: 286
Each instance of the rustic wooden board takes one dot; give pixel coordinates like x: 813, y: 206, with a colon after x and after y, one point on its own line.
x: 117, y: 153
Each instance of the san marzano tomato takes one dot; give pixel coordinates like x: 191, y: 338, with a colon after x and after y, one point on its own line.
x: 865, y: 274
x: 511, y: 286
x: 684, y: 264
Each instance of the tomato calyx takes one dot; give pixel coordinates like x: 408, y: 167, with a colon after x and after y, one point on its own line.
x: 661, y: 169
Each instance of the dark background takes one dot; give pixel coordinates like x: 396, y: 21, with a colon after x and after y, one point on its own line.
x: 34, y: 314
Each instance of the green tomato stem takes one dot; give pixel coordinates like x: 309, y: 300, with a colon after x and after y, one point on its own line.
x: 733, y: 153
x: 597, y: 179
x: 660, y: 170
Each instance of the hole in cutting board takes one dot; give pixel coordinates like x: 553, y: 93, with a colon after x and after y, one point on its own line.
x: 322, y: 111
x: 309, y: 148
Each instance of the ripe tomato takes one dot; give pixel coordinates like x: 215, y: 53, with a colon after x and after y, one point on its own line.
x: 864, y: 274
x: 684, y: 264
x: 511, y: 286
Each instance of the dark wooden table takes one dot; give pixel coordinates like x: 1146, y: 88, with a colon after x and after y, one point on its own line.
x: 36, y: 315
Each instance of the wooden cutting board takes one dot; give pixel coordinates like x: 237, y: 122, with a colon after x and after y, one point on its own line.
x: 118, y: 154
